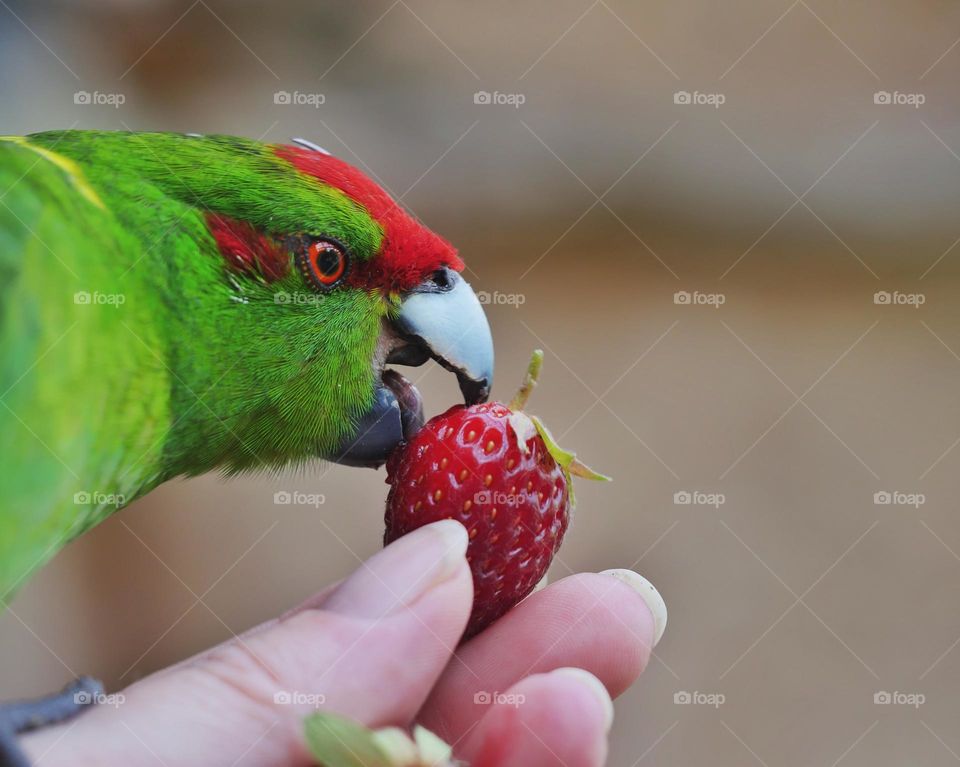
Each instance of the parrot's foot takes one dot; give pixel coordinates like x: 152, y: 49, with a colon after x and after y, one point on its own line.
x: 25, y: 715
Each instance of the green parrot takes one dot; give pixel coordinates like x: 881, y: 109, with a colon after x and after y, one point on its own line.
x: 174, y: 304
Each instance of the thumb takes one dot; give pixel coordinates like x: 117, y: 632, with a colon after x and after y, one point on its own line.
x: 371, y: 649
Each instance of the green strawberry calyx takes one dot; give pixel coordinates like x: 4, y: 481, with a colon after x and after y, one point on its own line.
x: 336, y: 741
x: 526, y: 427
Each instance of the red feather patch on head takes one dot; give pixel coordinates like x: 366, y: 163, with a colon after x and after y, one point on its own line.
x: 246, y: 249
x: 410, y: 252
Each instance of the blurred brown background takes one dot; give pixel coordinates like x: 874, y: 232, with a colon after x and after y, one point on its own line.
x: 798, y: 599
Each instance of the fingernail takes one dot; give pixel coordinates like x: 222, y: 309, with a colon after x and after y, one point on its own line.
x: 403, y: 572
x: 596, y: 686
x: 650, y: 595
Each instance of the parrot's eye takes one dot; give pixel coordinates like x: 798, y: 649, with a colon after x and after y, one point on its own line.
x: 324, y: 263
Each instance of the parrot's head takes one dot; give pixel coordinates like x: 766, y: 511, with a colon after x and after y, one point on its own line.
x: 335, y: 281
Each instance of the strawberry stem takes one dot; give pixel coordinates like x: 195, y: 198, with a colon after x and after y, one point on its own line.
x: 519, y: 401
x: 525, y: 426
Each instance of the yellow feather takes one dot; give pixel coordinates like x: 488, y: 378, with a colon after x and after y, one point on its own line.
x: 65, y: 164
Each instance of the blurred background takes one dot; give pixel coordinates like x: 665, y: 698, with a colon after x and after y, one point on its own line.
x: 732, y: 227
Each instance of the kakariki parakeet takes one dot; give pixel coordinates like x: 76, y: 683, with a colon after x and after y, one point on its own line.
x: 175, y: 304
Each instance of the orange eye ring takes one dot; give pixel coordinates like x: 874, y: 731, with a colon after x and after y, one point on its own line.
x: 324, y: 263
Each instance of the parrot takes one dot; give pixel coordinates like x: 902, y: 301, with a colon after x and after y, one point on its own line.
x: 175, y: 304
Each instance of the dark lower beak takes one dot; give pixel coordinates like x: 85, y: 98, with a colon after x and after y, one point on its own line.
x: 441, y: 320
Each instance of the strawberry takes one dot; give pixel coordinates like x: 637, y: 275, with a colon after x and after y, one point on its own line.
x: 500, y: 473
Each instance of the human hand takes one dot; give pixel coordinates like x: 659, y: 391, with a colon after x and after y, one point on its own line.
x: 381, y: 648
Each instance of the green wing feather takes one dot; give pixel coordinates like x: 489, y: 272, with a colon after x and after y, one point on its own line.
x: 79, y: 393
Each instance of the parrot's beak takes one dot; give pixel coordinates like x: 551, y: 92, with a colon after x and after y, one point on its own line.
x: 440, y: 319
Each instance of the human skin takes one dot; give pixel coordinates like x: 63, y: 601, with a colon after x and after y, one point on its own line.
x: 381, y: 647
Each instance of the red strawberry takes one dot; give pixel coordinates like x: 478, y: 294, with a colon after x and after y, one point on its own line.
x: 500, y: 473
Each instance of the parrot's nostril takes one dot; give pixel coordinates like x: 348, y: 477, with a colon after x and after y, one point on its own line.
x: 443, y: 278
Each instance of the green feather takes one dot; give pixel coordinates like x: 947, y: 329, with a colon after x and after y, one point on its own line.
x: 166, y: 371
